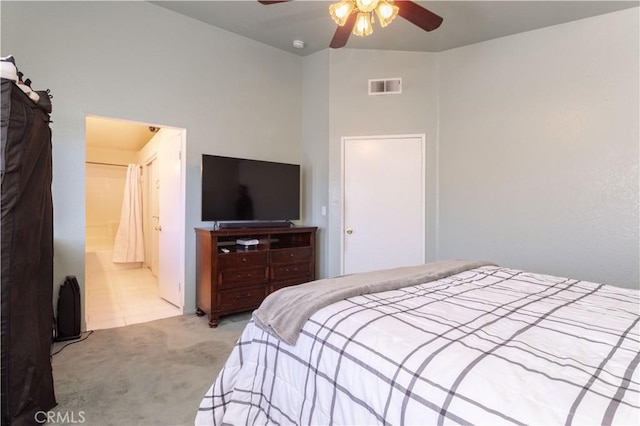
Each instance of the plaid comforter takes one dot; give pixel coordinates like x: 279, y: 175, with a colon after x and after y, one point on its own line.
x: 487, y: 346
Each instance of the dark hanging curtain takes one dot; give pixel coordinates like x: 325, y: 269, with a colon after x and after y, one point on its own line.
x: 27, y: 256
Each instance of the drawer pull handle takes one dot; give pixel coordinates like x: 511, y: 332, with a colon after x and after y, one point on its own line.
x: 291, y: 255
x: 289, y: 270
x: 242, y: 276
x: 244, y: 259
x: 245, y: 296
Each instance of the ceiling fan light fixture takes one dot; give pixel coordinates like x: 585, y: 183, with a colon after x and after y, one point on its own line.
x: 363, y: 25
x: 366, y: 5
x: 386, y: 11
x: 340, y: 11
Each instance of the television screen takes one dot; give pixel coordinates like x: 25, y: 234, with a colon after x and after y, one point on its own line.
x: 236, y: 189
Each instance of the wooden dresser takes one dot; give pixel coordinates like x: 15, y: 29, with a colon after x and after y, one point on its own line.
x: 230, y: 278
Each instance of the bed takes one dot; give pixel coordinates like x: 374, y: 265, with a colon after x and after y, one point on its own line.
x: 480, y: 344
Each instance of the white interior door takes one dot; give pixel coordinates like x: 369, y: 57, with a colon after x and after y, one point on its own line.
x: 383, y: 203
x: 171, y: 215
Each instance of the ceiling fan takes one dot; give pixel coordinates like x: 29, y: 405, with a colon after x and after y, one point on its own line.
x: 356, y: 16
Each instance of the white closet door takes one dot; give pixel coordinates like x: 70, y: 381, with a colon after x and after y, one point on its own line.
x: 383, y: 203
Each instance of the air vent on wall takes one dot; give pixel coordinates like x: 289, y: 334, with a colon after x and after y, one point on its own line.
x: 385, y: 86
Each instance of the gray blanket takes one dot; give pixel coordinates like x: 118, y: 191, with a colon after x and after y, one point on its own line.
x: 284, y: 312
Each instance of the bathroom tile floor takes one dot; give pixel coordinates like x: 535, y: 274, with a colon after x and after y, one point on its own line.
x: 116, y: 296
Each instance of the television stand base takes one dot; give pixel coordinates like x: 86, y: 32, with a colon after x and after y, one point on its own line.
x: 254, y: 224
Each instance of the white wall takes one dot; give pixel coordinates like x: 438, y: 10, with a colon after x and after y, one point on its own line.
x: 539, y: 150
x: 110, y: 156
x: 315, y: 140
x: 140, y: 62
x: 104, y: 192
x: 564, y: 97
x: 532, y: 145
x: 352, y: 112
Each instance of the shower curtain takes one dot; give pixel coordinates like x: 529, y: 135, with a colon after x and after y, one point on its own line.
x: 129, y: 242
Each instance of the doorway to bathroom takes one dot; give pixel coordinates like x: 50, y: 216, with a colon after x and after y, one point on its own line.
x: 134, y: 180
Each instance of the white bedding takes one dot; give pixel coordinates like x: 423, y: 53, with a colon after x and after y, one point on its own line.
x: 487, y: 346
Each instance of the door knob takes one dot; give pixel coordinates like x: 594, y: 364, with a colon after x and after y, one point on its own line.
x: 349, y: 231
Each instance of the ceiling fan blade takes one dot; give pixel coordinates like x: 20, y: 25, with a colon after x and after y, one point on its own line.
x: 272, y: 2
x: 418, y: 15
x: 341, y: 36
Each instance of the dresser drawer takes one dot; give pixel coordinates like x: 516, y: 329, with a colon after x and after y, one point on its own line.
x: 277, y: 285
x: 290, y: 270
x: 241, y: 297
x: 252, y: 275
x: 290, y: 255
x: 241, y: 259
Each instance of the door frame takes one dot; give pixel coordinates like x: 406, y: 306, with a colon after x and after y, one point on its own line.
x: 182, y: 200
x: 343, y: 141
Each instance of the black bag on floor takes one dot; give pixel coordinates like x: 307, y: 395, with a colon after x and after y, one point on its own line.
x: 68, y: 320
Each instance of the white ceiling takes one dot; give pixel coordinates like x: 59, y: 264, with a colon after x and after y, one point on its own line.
x: 465, y: 22
x: 116, y: 134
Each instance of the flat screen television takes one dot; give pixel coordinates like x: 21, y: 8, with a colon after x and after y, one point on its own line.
x: 238, y: 189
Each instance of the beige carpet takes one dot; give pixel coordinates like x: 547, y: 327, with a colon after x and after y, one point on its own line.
x: 153, y: 373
